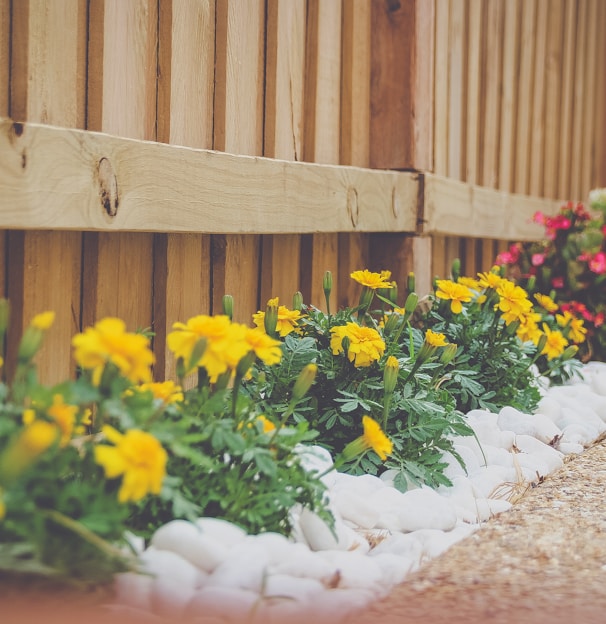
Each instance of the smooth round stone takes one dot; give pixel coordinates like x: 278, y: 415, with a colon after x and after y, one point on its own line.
x: 469, y: 457
x: 549, y: 406
x: 187, y: 540
x: 275, y: 545
x: 169, y: 598
x: 408, y: 547
x: 536, y: 448
x: 292, y: 587
x: 232, y: 603
x: 569, y: 448
x: 318, y: 535
x: 166, y: 563
x: 134, y: 590
x: 225, y: 532
x: 314, y: 458
x: 395, y: 569
x: 496, y: 456
x: 537, y: 425
x: 356, y: 508
x: 245, y: 568
x: 580, y: 434
x: 598, y: 381
x: 356, y: 571
x: 489, y: 480
x: 306, y: 564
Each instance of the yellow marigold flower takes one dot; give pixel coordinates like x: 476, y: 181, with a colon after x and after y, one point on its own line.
x: 65, y: 417
x: 43, y: 321
x: 372, y: 280
x: 576, y: 327
x: 166, y: 391
x: 556, y: 343
x: 513, y: 300
x: 457, y: 294
x: 365, y: 343
x: 434, y: 339
x: 288, y: 320
x: 226, y: 343
x: 138, y: 457
x: 471, y: 283
x: 489, y: 280
x: 108, y: 341
x: 529, y: 330
x: 375, y: 438
x: 266, y: 348
x: 546, y: 302
x: 268, y: 426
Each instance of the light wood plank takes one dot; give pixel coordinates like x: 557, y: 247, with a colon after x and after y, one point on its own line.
x: 441, y: 88
x: 47, y: 85
x: 591, y: 64
x: 163, y: 188
x: 576, y: 144
x: 322, y: 128
x: 239, y: 78
x: 525, y: 97
x: 181, y: 287
x: 511, y: 61
x: 284, y: 96
x: 567, y: 99
x: 537, y: 134
x: 458, y: 208
x: 456, y: 90
x: 5, y: 49
x: 355, y: 131
x: 492, y: 80
x: 553, y: 93
x: 472, y: 151
x: 599, y: 164
x: 121, y: 100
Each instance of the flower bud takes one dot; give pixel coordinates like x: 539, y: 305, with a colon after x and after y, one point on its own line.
x: 297, y: 301
x: 393, y: 293
x: 245, y: 363
x: 569, y: 352
x: 271, y: 317
x: 390, y: 374
x: 541, y: 343
x: 196, y: 354
x: 455, y: 269
x: 304, y: 380
x: 410, y: 283
x: 448, y: 353
x: 512, y: 328
x: 228, y: 306
x: 4, y: 315
x: 411, y: 302
x: 391, y: 323
x: 531, y: 285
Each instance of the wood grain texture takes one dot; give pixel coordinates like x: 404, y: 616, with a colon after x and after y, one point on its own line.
x: 238, y: 128
x: 48, y: 60
x: 284, y: 97
x: 122, y: 100
x: 181, y: 279
x: 453, y: 207
x: 163, y: 188
x: 5, y: 58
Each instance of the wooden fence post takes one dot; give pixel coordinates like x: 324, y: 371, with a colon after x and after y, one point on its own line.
x: 47, y: 77
x: 238, y: 118
x: 185, y: 117
x: 121, y: 100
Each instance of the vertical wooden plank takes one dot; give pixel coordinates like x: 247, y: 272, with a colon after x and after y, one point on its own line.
x: 567, y: 99
x: 599, y: 163
x: 186, y: 60
x: 322, y: 126
x: 238, y: 128
x: 553, y: 92
x: 284, y: 80
x: 474, y: 30
x: 511, y: 47
x: 355, y: 131
x: 525, y: 97
x: 401, y: 84
x: 591, y: 94
x: 492, y: 79
x: 48, y: 59
x: 537, y: 135
x: 122, y: 101
x: 579, y: 87
x: 5, y: 20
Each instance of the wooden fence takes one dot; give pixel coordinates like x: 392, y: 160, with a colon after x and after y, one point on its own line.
x: 481, y: 111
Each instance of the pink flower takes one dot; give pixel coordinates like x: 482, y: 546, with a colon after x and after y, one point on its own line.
x: 539, y: 217
x: 597, y: 264
x: 584, y: 257
x: 557, y: 282
x: 537, y: 259
x: 599, y: 319
x: 604, y: 230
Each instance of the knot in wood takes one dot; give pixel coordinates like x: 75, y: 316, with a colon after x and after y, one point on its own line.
x: 108, y: 187
x: 353, y: 209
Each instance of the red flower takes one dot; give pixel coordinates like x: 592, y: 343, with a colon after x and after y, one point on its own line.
x: 557, y: 282
x: 597, y: 264
x: 537, y: 259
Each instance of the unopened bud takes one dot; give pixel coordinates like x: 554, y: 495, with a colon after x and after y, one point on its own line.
x: 245, y: 363
x: 4, y: 315
x: 569, y: 352
x: 196, y: 354
x: 411, y: 282
x: 390, y: 374
x: 456, y: 269
x: 228, y: 306
x: 411, y: 302
x: 541, y: 343
x: 448, y: 353
x: 304, y: 380
x: 297, y: 301
x: 271, y: 317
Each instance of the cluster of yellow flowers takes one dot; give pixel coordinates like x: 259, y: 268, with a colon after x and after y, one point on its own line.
x: 515, y: 308
x: 218, y: 345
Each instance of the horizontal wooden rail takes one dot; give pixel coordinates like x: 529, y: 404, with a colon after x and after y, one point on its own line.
x: 455, y: 208
x: 64, y: 179
x: 56, y: 178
